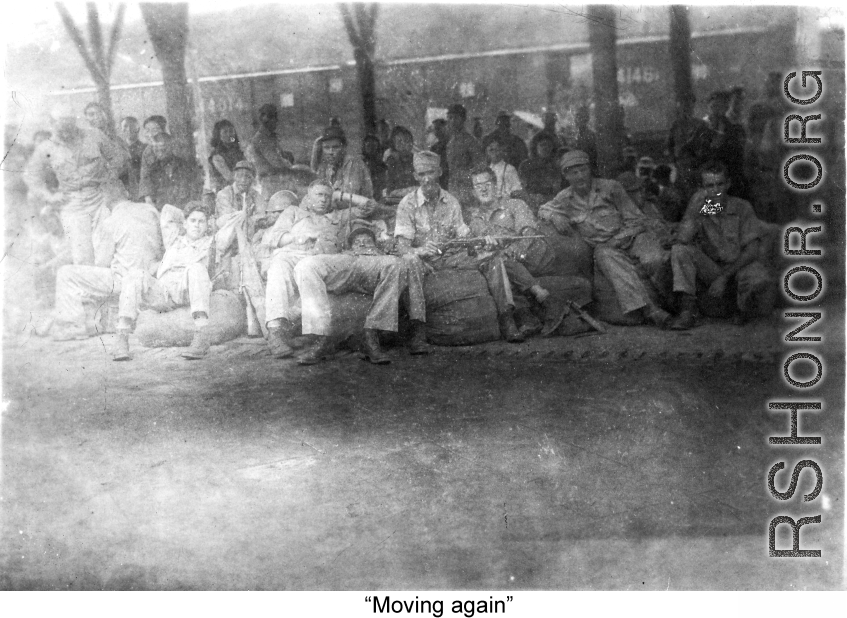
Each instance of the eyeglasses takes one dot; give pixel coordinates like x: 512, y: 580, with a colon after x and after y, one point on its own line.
x: 482, y: 185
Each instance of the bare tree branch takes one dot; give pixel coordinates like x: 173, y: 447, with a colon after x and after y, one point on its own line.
x: 95, y: 37
x: 113, y: 39
x: 76, y: 37
x: 349, y: 25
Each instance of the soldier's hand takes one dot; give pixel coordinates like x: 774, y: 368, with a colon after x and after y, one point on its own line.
x: 365, y: 210
x: 428, y: 250
x: 491, y: 243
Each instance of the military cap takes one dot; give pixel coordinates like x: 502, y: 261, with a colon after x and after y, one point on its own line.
x: 245, y: 165
x: 503, y: 114
x: 572, y: 159
x: 425, y: 161
x: 360, y: 226
x: 281, y: 200
x: 334, y: 132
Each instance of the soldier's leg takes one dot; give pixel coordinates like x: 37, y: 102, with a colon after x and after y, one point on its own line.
x: 139, y: 290
x: 78, y: 232
x: 494, y: 271
x: 519, y: 276
x: 385, y: 276
x: 282, y: 299
x: 622, y: 274
x: 415, y: 270
x: 757, y: 290
x: 76, y: 285
x: 312, y: 275
x: 197, y: 293
x: 199, y: 289
x: 689, y: 265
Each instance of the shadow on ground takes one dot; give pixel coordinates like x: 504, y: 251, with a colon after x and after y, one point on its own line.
x: 443, y: 472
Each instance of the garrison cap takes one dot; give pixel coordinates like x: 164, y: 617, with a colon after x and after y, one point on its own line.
x: 425, y: 161
x: 245, y: 165
x: 572, y: 159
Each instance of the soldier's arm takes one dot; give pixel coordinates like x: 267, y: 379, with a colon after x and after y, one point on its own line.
x: 220, y: 165
x: 114, y: 151
x: 145, y: 183
x: 524, y: 219
x: 36, y: 173
x: 275, y: 161
x: 629, y: 211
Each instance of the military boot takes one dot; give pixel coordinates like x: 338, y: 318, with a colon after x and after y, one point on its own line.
x: 276, y: 343
x: 372, y: 350
x: 121, y: 350
x: 316, y: 352
x: 685, y: 319
x: 418, y: 345
x: 508, y: 328
x: 200, y: 345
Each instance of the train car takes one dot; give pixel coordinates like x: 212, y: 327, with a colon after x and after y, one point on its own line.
x: 412, y: 91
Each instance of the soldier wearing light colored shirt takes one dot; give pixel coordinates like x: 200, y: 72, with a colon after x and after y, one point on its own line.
x: 302, y: 231
x: 429, y: 216
x: 83, y: 161
x: 603, y: 215
x: 271, y: 162
x: 343, y: 171
x: 182, y: 278
x: 464, y: 153
x: 525, y: 259
x: 718, y: 243
x: 130, y: 239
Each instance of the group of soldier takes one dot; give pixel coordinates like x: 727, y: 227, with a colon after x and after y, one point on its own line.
x: 140, y: 230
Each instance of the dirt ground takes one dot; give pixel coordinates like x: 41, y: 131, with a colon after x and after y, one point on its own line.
x: 637, y: 459
x: 491, y: 467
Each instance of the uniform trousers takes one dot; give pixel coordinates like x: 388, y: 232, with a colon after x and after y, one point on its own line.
x: 631, y: 269
x: 77, y: 286
x: 282, y: 298
x: 755, y: 286
x: 185, y: 286
x: 81, y: 219
x: 380, y: 275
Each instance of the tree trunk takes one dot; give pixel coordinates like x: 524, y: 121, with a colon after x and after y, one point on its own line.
x: 680, y: 51
x: 367, y: 88
x: 104, y: 97
x: 360, y: 23
x: 167, y: 25
x: 604, y: 65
